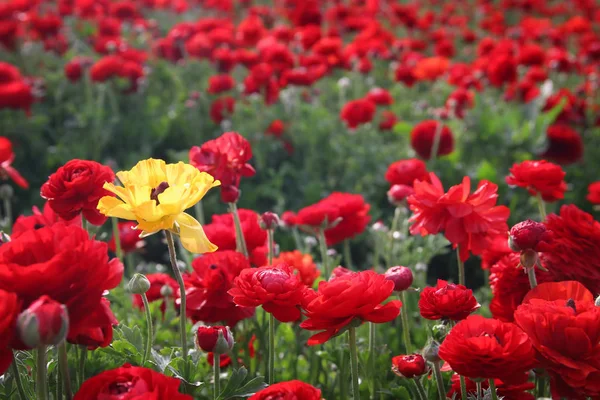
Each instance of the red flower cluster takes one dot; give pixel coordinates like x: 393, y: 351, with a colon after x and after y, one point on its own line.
x: 207, y: 287
x: 296, y: 390
x: 15, y: 92
x: 117, y: 66
x: 539, y: 177
x: 226, y: 158
x: 447, y: 301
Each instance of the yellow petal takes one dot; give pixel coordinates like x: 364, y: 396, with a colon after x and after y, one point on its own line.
x: 113, y: 207
x: 202, y: 184
x: 192, y: 235
x: 172, y: 200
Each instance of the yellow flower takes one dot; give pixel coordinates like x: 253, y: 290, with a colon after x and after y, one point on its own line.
x: 156, y: 194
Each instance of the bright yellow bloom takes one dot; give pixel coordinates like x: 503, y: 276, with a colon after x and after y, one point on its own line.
x: 156, y: 194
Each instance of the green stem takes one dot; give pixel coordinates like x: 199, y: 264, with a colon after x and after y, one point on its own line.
x: 8, y: 212
x: 239, y: 233
x: 15, y: 370
x: 270, y: 246
x: 478, y: 385
x: 439, y: 380
x: 354, y: 363
x: 493, y: 389
x: 376, y: 254
x: 149, y: 328
x: 182, y: 298
x: 541, y: 206
x: 394, y: 228
x: 405, y: 322
x: 217, y: 375
x: 297, y: 239
x: 82, y: 360
x: 348, y: 255
x: 129, y: 264
x: 271, y: 349
x: 531, y: 275
x: 117, y: 237
x: 420, y: 388
x: 63, y: 364
x: 540, y: 386
x: 199, y: 209
x: 463, y: 388
x: 324, y: 256
x: 372, y: 357
x: 41, y: 384
x: 461, y: 268
x: 59, y: 384
x: 84, y: 224
x: 342, y: 372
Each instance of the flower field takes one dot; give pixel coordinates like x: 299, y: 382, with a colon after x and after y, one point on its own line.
x: 299, y: 199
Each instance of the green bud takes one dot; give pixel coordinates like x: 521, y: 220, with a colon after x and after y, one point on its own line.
x: 138, y: 284
x: 430, y: 352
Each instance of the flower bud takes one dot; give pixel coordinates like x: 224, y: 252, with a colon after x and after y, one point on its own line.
x: 269, y: 220
x: 440, y: 331
x: 529, y: 258
x: 44, y: 323
x: 214, y: 339
x: 529, y: 235
x: 398, y: 194
x: 166, y: 291
x: 401, y: 276
x: 409, y: 366
x: 138, y: 284
x: 430, y: 352
x: 230, y: 193
x: 597, y: 301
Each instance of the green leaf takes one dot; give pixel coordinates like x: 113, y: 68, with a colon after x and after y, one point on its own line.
x: 133, y: 336
x: 402, y: 128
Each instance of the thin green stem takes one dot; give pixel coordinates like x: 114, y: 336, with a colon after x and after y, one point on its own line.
x: 461, y: 268
x: 354, y: 363
x: 270, y: 246
x: 478, y: 385
x: 493, y: 389
x: 15, y: 370
x: 41, y: 388
x: 541, y: 206
x: 376, y: 254
x: 297, y: 239
x: 59, y: 383
x: 239, y: 233
x: 63, y: 364
x: 348, y: 254
x: 342, y: 372
x: 148, y: 327
x: 199, y: 210
x: 182, y: 298
x: 324, y: 256
x: 540, y: 385
x: 531, y: 275
x: 217, y: 375
x: 8, y: 214
x: 117, y: 238
x: 271, y: 349
x: 420, y: 388
x: 394, y: 228
x: 372, y: 357
x: 82, y: 360
x: 439, y: 379
x: 405, y: 322
x: 129, y: 264
x: 85, y: 224
x: 463, y: 387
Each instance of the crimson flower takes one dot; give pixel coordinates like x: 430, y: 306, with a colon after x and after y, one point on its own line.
x: 529, y: 235
x: 348, y: 300
x: 9, y: 309
x: 40, y: 219
x: 565, y: 145
x: 303, y: 264
x: 7, y: 156
x: 405, y: 172
x: 539, y: 177
x: 422, y: 138
x: 358, y: 112
x: 594, y: 193
x: 409, y: 366
x: 296, y: 390
x: 447, y: 301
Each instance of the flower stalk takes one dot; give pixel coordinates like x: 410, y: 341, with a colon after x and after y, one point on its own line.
x: 372, y: 357
x: 324, y: 256
x: 532, y: 278
x: 217, y: 375
x: 239, y: 233
x: 405, y: 322
x: 117, y: 237
x: 41, y: 388
x: 148, y: 327
x: 271, y: 349
x: 541, y: 206
x: 271, y: 246
x: 493, y: 390
x: 354, y: 362
x: 63, y: 364
x: 19, y: 383
x: 461, y: 268
x: 348, y: 255
x: 463, y: 388
x: 439, y: 379
x: 420, y: 388
x: 394, y: 228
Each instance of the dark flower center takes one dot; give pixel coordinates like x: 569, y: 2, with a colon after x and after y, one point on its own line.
x: 571, y: 303
x: 38, y: 226
x: 213, y: 266
x: 158, y: 190
x: 120, y: 387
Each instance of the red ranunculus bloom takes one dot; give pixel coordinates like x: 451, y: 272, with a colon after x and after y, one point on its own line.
x: 404, y: 172
x: 574, y: 253
x: 429, y: 216
x: 221, y: 232
x: 357, y: 112
x: 7, y: 156
x: 479, y: 347
x: 380, y: 97
x: 539, y: 177
x: 222, y: 108
x: 207, y: 339
x: 76, y: 187
x: 510, y: 285
x: 99, y: 334
x: 508, y: 391
x: 529, y: 235
x: 302, y: 264
x: 39, y: 220
x: 130, y: 382
x: 44, y: 323
x: 276, y: 288
x: 565, y: 145
x: 220, y: 83
x: 226, y: 158
x: 157, y: 281
x: 63, y: 263
x: 594, y: 193
x: 398, y: 194
x: 296, y: 390
x: 129, y: 238
x: 447, y: 301
x: 207, y: 286
x: 497, y: 248
x: 387, y: 120
x: 9, y: 309
x: 501, y: 69
x: 349, y: 299
x: 564, y: 326
x: 422, y: 138
x: 409, y: 366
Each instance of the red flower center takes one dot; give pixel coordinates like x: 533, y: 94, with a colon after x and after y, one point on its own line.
x: 571, y: 303
x: 120, y: 387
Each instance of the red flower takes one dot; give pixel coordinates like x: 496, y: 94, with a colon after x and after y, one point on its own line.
x: 9, y: 309
x: 221, y: 109
x: 63, y: 263
x: 295, y: 390
x: 220, y: 83
x: 387, y: 121
x: 207, y: 286
x: 45, y: 322
x: 509, y: 286
x: 100, y: 333
x: 113, y: 66
x: 539, y: 177
x: 357, y: 112
x: 564, y: 326
x: 565, y: 145
x: 128, y: 381
x: 353, y: 213
x: 276, y: 288
x: 508, y: 391
x: 594, y: 193
x: 409, y: 366
x: 479, y: 347
x: 207, y: 338
x: 226, y: 158
x: 422, y: 138
x: 429, y: 216
x: 76, y: 188
x: 221, y: 232
x: 156, y: 292
x: 317, y: 215
x: 398, y: 194
x: 429, y: 69
x: 401, y: 276
x: 380, y: 97
x: 7, y: 156
x: 351, y: 298
x: 405, y: 172
x: 447, y: 301
x: 574, y: 253
x: 129, y: 238
x: 501, y: 69
x: 74, y: 68
x: 529, y: 235
x: 497, y: 248
x: 16, y: 95
x: 39, y: 220
x: 302, y: 264
x: 276, y: 128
